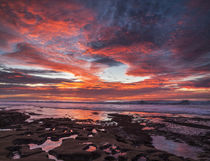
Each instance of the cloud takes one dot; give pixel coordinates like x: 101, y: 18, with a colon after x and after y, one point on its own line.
x: 165, y: 41
x: 24, y: 78
x: 28, y: 55
x: 106, y: 61
x: 198, y: 83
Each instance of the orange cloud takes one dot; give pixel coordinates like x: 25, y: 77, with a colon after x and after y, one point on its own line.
x: 84, y: 39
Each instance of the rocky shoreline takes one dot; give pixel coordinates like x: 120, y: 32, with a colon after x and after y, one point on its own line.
x: 122, y: 138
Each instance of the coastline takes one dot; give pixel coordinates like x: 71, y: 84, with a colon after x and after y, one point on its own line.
x: 122, y: 137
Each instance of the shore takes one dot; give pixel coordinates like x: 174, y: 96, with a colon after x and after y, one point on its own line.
x: 124, y: 137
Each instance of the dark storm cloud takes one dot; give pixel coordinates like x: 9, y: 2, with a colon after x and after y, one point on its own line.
x: 138, y: 20
x: 179, y: 30
x: 123, y: 38
x: 26, y: 71
x: 21, y: 78
x: 198, y: 83
x: 192, y: 42
x: 5, y: 37
x: 203, y: 68
x: 107, y: 61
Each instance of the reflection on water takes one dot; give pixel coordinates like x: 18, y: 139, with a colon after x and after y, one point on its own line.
x: 81, y: 114
x: 90, y: 135
x: 94, y: 131
x: 49, y: 145
x: 91, y: 148
x: 179, y: 149
x: 16, y: 155
x: 148, y: 128
x: 155, y: 116
x: 53, y: 158
x: 6, y: 129
x: 99, y: 111
x: 67, y: 113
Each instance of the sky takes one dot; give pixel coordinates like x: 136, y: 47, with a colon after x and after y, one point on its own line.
x: 104, y: 50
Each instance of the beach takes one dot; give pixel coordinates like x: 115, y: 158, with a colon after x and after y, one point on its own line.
x: 104, y: 80
x: 33, y: 131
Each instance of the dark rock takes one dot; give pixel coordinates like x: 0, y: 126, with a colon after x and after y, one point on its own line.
x: 26, y: 141
x: 8, y: 118
x: 81, y: 138
x: 109, y: 158
x: 79, y: 156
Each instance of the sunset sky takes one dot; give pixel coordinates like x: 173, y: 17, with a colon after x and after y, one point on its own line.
x: 104, y: 50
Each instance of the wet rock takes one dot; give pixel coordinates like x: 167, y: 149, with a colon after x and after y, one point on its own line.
x: 95, y: 113
x: 173, y: 158
x: 13, y: 148
x: 124, y: 142
x: 79, y: 156
x: 120, y: 139
x: 26, y: 141
x: 8, y: 118
x: 105, y: 146
x: 109, y: 158
x: 155, y: 158
x: 142, y: 159
x: 130, y: 131
x: 25, y: 151
x: 37, y: 157
x: 81, y: 138
x: 121, y: 158
x: 139, y: 157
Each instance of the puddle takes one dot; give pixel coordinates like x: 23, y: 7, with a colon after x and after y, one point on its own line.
x: 102, y: 130
x: 53, y: 158
x: 178, y: 149
x: 49, y: 145
x: 148, y: 128
x: 91, y: 148
x: 94, y: 131
x: 6, y: 129
x: 90, y: 136
x: 143, y: 124
x: 16, y: 155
